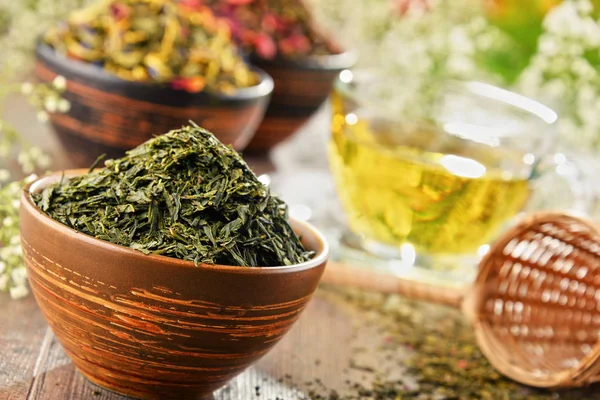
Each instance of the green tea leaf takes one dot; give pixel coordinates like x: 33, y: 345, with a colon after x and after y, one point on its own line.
x: 184, y: 195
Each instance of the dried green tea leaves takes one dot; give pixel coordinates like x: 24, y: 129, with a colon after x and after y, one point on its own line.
x: 180, y: 43
x: 184, y: 195
x: 433, y: 347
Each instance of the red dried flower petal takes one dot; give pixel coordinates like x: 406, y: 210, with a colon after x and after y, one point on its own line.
x: 192, y: 85
x: 119, y: 11
x: 300, y: 43
x: 265, y: 47
x: 269, y: 23
x: 295, y: 44
x: 239, y: 2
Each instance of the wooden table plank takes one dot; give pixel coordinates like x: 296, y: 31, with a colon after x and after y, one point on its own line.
x: 22, y: 329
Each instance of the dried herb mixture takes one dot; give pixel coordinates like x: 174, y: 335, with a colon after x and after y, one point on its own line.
x: 181, y: 43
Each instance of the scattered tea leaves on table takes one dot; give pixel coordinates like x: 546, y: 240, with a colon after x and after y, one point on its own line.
x: 417, y: 351
x: 184, y: 195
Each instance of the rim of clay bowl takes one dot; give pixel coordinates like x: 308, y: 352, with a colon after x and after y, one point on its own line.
x: 326, y: 62
x: 91, y: 72
x: 40, y: 183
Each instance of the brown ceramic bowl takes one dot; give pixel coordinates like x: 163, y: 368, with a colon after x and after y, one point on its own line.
x: 301, y: 86
x: 154, y: 327
x: 111, y: 115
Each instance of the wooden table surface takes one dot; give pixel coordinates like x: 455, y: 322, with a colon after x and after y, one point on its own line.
x: 34, y: 366
x: 317, y: 351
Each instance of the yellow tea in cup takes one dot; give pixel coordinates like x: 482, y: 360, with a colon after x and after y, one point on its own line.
x: 395, y: 191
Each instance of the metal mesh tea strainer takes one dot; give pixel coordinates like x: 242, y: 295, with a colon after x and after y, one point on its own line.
x: 535, y: 304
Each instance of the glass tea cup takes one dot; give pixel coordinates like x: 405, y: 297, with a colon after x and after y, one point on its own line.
x: 426, y: 195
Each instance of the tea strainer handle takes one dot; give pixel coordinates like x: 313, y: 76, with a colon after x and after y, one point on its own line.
x: 353, y: 276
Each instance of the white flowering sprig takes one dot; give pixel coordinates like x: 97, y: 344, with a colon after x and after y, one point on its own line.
x: 413, y: 46
x: 13, y: 276
x: 565, y: 71
x: 21, y: 23
x: 46, y: 99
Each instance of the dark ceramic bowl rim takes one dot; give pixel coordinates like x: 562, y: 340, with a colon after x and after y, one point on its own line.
x: 44, y: 218
x: 92, y: 72
x: 324, y: 62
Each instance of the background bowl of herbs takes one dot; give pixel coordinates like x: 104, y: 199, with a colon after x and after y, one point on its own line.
x: 301, y: 87
x: 135, y: 68
x: 283, y: 39
x: 146, y: 269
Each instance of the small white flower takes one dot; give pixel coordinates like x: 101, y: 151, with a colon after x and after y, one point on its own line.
x: 51, y: 104
x: 25, y: 162
x: 460, y: 42
x: 583, y: 68
x: 559, y: 64
x: 5, y: 252
x: 459, y: 65
x: 30, y: 178
x: 18, y: 292
x: 26, y: 88
x: 23, y: 157
x: 59, y: 83
x: 63, y: 105
x: 16, y: 250
x: 478, y: 24
x: 35, y: 152
x: 484, y: 41
x: 4, y: 175
x: 19, y: 276
x: 584, y: 7
x: 587, y: 94
x: 548, y: 45
x: 561, y: 20
x: 42, y: 116
x: 4, y: 149
x: 591, y: 32
x: 43, y: 161
x: 8, y: 221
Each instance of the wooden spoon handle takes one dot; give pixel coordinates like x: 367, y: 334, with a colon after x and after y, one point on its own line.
x: 347, y: 275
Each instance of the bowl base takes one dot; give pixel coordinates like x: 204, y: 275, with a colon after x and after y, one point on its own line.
x: 134, y: 394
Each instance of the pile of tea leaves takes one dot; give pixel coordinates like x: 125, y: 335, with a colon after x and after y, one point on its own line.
x: 184, y: 195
